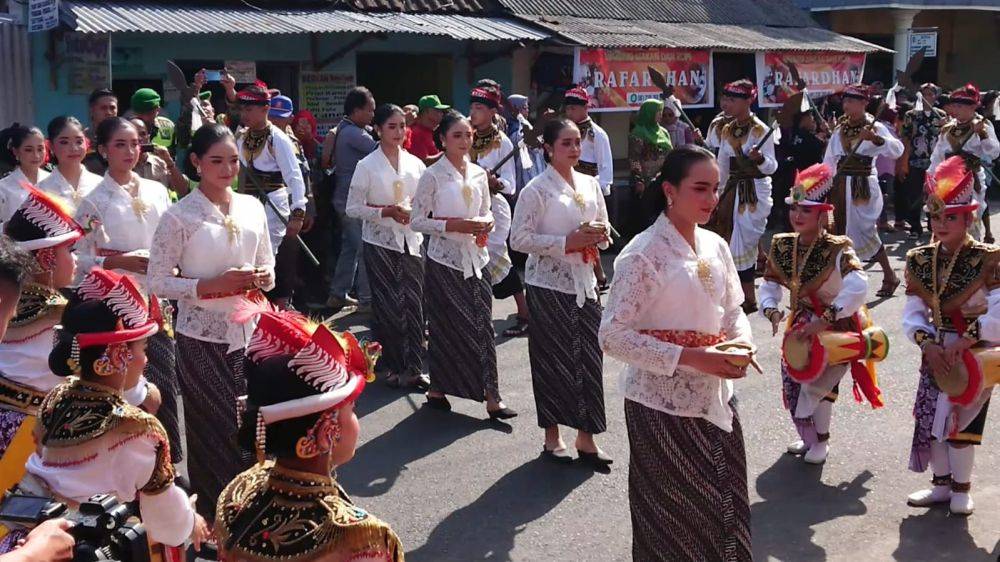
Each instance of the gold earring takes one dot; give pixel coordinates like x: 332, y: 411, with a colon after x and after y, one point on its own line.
x: 103, y: 366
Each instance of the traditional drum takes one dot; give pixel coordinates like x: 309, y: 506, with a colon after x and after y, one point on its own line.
x: 978, y: 370
x: 807, y: 359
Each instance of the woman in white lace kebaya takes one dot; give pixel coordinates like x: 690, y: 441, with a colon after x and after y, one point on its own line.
x: 675, y: 294
x: 212, y: 253
x: 561, y: 222
x: 452, y: 206
x: 381, y: 192
x: 121, y: 214
x: 22, y: 148
x: 70, y: 180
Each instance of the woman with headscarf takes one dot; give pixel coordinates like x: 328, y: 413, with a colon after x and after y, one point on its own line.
x: 648, y: 145
x: 304, y: 126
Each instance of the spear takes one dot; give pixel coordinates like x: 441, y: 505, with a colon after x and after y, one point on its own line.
x: 668, y: 91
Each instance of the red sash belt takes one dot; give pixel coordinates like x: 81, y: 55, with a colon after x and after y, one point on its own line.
x: 590, y: 254
x: 686, y: 338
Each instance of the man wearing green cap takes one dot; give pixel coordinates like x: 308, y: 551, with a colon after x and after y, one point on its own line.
x: 429, y: 113
x: 145, y: 105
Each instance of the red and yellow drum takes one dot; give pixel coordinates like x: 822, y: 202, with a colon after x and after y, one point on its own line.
x: 978, y: 370
x: 807, y: 359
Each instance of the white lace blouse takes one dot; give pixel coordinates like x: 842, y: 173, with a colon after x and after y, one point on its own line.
x: 194, y: 238
x: 444, y: 193
x: 121, y: 223
x: 56, y: 184
x: 12, y: 194
x: 547, y: 211
x: 377, y: 184
x: 657, y: 287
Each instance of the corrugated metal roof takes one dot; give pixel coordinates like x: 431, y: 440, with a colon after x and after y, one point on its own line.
x: 748, y: 12
x: 427, y: 6
x: 819, y: 5
x: 645, y: 33
x: 141, y: 17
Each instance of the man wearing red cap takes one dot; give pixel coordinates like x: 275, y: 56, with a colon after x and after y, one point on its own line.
x: 270, y: 168
x: 489, y: 143
x: 972, y: 137
x: 595, y: 147
x: 854, y: 144
x: 741, y: 215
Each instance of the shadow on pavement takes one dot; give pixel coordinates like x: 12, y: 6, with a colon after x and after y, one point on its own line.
x: 377, y: 395
x: 794, y: 499
x: 937, y: 535
x: 487, y: 528
x: 379, y: 462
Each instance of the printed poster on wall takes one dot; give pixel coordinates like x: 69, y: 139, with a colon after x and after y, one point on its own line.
x: 322, y: 93
x: 618, y: 79
x: 89, y: 62
x: 823, y: 72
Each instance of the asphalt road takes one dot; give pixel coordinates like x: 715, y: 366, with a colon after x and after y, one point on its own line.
x: 458, y: 488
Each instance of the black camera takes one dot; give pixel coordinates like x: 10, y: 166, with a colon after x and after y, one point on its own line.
x: 101, y: 526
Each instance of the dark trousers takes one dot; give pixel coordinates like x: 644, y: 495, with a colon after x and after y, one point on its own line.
x: 910, y: 199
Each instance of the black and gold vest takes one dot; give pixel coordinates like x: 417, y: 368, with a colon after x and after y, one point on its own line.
x: 274, y: 513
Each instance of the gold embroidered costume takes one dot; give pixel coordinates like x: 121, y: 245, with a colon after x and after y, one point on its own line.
x: 79, y: 418
x: 273, y: 513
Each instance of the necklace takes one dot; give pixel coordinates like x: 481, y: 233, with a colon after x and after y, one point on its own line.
x: 484, y: 143
x: 253, y: 142
x: 938, y: 289
x: 139, y: 207
x: 797, y: 269
x: 228, y: 222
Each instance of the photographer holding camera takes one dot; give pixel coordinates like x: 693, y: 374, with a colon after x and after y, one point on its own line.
x: 93, y: 442
x: 48, y: 542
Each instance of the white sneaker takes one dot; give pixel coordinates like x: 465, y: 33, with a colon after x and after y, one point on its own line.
x: 961, y: 503
x: 797, y: 448
x: 817, y: 453
x: 927, y: 498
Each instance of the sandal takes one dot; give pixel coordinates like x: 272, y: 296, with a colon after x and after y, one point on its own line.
x: 517, y: 330
x: 749, y: 307
x: 988, y: 239
x: 887, y: 289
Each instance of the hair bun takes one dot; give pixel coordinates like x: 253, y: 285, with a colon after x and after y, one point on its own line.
x: 62, y: 349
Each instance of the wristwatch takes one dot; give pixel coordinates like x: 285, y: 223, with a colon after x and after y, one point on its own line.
x: 299, y: 214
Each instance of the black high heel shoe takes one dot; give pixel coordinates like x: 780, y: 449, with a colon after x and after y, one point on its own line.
x: 502, y: 414
x: 597, y: 459
x: 439, y: 403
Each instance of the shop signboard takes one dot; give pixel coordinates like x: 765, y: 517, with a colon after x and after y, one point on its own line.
x: 244, y: 71
x: 926, y: 39
x: 824, y: 73
x: 618, y: 79
x: 322, y: 93
x: 87, y: 55
x: 43, y: 15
